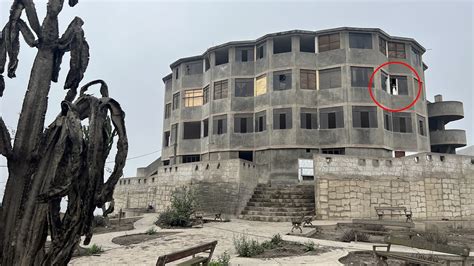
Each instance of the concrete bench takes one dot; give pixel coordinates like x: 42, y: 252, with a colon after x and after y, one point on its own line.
x: 195, y: 260
x: 381, y: 211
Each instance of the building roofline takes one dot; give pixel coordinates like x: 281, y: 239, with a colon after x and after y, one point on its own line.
x: 293, y: 32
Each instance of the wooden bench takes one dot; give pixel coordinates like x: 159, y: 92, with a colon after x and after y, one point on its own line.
x: 195, y: 260
x: 380, y: 212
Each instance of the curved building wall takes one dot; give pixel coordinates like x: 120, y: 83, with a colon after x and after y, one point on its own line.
x: 278, y: 149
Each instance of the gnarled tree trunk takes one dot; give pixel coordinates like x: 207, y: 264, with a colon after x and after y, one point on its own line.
x: 46, y: 165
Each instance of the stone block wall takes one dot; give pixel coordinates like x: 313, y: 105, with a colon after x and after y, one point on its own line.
x: 221, y: 186
x: 433, y: 186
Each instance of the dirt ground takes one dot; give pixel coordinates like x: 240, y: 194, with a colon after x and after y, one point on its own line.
x: 460, y: 237
x: 363, y: 258
x: 138, y: 238
x: 335, y: 232
x: 287, y: 249
x: 125, y: 225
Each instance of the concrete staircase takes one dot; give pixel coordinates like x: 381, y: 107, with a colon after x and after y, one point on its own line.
x: 279, y: 202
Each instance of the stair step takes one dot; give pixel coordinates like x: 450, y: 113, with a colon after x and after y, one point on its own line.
x: 280, y: 209
x: 280, y: 204
x: 264, y: 213
x: 281, y: 200
x: 268, y: 218
x: 282, y: 196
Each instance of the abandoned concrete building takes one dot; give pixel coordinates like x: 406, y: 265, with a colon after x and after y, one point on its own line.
x: 248, y: 113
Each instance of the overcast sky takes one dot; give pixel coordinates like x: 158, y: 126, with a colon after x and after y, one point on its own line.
x: 133, y: 43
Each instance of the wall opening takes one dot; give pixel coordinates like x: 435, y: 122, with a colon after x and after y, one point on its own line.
x: 246, y: 155
x: 281, y: 45
x: 191, y: 158
x: 222, y: 56
x: 307, y: 44
x: 192, y: 130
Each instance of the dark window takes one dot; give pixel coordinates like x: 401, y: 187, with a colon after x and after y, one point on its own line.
x: 383, y: 46
x: 364, y: 117
x: 205, y: 125
x: 421, y: 125
x: 340, y: 151
x: 243, y: 87
x: 308, y: 79
x: 219, y: 125
x: 360, y: 40
x: 331, y: 118
x: 191, y: 158
x: 308, y: 118
x: 175, y: 101
x: 167, y: 110
x: 387, y: 121
x: 192, y: 130
x: 330, y: 78
x: 193, y: 68
x: 396, y: 50
x: 166, y: 140
x: 282, y: 80
x: 174, y: 133
x: 177, y: 73
x: 261, y: 51
x: 222, y: 56
x: 243, y: 123
x: 246, y: 155
x: 207, y: 63
x: 244, y: 54
x: 281, y: 45
x: 328, y: 42
x: 398, y: 85
x: 205, y: 95
x: 383, y: 81
x: 282, y: 118
x: 360, y: 76
x: 261, y: 121
x: 166, y: 162
x: 307, y: 44
x: 401, y: 122
x: 220, y: 89
x: 416, y: 57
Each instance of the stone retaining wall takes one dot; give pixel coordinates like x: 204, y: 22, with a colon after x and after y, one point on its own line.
x: 433, y: 186
x: 222, y: 186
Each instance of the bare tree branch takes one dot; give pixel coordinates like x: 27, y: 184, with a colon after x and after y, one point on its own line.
x: 32, y: 16
x: 5, y: 140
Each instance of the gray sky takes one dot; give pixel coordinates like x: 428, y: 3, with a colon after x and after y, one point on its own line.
x: 133, y: 43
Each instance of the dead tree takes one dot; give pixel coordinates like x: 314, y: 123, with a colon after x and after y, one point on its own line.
x: 47, y: 165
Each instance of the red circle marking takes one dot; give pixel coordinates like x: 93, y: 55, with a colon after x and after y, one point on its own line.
x: 395, y: 63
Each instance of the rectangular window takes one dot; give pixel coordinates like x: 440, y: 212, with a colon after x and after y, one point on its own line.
x: 308, y: 118
x: 383, y: 80
x: 222, y: 56
x: 281, y: 45
x: 307, y: 44
x: 364, y: 117
x: 308, y: 79
x: 243, y: 123
x: 191, y: 158
x: 205, y: 95
x: 261, y: 51
x: 282, y: 80
x: 340, y: 151
x: 387, y: 121
x: 219, y: 125
x: 244, y: 88
x: 382, y: 45
x: 205, y: 126
x: 360, y: 76
x: 401, y: 122
x: 261, y: 85
x: 396, y: 50
x: 421, y: 125
x: 193, y: 68
x: 330, y: 118
x: 398, y: 85
x: 168, y: 84
x: 360, y: 40
x: 166, y: 140
x: 328, y: 42
x: 168, y: 110
x: 330, y: 78
x: 193, y: 98
x: 176, y: 73
x: 282, y: 118
x: 207, y: 63
x: 175, y: 101
x: 416, y: 57
x: 261, y: 121
x: 244, y: 54
x: 174, y: 133
x: 220, y: 89
x: 192, y: 130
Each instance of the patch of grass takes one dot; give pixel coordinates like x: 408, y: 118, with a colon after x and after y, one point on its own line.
x: 246, y: 247
x: 151, y: 231
x: 435, y: 236
x: 309, y: 246
x: 349, y: 235
x: 94, y: 250
x: 274, y: 242
x: 375, y: 227
x: 222, y: 260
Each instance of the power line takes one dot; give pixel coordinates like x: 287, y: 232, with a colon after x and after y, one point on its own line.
x: 139, y: 156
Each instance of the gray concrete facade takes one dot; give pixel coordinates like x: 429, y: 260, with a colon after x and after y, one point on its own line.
x: 343, y: 118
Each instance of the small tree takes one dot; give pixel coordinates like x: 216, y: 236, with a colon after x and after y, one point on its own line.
x: 45, y: 165
x: 183, y: 206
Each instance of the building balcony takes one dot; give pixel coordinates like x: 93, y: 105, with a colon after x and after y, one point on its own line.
x: 451, y: 137
x: 446, y: 110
